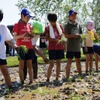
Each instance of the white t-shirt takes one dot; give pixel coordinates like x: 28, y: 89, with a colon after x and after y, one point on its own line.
x: 5, y: 35
x: 35, y: 39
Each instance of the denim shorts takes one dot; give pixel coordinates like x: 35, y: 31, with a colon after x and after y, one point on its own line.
x: 71, y: 55
x: 56, y: 54
x: 89, y: 50
x: 3, y: 62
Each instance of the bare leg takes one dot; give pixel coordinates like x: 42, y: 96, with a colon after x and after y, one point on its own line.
x: 96, y: 60
x: 50, y: 69
x: 78, y: 65
x: 68, y: 67
x: 58, y: 62
x: 6, y: 75
x: 21, y: 74
x: 87, y: 62
x: 30, y: 70
x: 91, y: 62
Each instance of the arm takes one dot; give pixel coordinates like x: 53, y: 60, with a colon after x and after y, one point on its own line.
x: 86, y: 50
x: 18, y: 36
x: 40, y: 54
x: 96, y: 36
x: 16, y: 31
x: 12, y: 44
x: 72, y: 35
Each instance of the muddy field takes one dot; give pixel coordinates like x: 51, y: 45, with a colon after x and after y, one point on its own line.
x: 76, y: 88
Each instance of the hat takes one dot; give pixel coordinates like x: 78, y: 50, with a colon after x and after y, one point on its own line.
x: 90, y: 25
x: 72, y: 12
x: 26, y: 12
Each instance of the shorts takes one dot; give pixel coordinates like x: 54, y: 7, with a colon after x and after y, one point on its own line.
x: 27, y: 56
x: 96, y: 48
x: 56, y: 54
x: 90, y: 50
x: 3, y: 62
x: 71, y: 55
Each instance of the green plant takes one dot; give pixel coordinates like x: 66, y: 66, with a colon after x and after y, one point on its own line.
x: 44, y: 90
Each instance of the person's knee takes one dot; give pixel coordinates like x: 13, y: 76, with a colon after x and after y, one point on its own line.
x: 69, y: 61
x: 29, y: 64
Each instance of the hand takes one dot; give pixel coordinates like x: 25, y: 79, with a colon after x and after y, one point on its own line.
x: 29, y: 35
x: 23, y: 35
x: 46, y: 60
x: 17, y: 48
x: 77, y: 35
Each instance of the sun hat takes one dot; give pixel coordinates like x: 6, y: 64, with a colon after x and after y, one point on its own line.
x: 90, y: 25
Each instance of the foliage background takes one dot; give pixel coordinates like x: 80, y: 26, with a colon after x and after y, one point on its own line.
x: 87, y: 9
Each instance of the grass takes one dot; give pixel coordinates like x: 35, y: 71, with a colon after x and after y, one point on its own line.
x: 12, y: 61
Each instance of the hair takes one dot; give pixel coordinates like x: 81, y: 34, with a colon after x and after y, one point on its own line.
x: 52, y: 17
x: 1, y: 15
x: 23, y: 15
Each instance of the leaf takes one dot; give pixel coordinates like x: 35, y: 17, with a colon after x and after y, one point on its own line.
x: 37, y: 27
x: 63, y: 39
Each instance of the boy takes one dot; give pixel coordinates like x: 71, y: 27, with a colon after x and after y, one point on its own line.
x: 22, y: 32
x: 72, y: 33
x: 53, y: 32
x: 5, y: 36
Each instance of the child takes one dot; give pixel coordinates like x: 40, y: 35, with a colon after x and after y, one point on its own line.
x: 22, y: 32
x: 88, y: 45
x: 34, y: 61
x: 42, y: 43
x: 5, y: 36
x: 53, y: 32
x: 72, y: 33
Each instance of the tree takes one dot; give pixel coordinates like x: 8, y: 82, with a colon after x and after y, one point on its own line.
x: 41, y: 7
x: 95, y: 7
x: 86, y: 9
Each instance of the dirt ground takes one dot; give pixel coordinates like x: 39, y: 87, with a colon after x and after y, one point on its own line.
x: 81, y: 88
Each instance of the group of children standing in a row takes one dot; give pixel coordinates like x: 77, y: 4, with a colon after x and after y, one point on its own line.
x: 54, y: 31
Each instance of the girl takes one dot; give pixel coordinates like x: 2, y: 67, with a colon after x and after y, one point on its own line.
x: 88, y: 45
